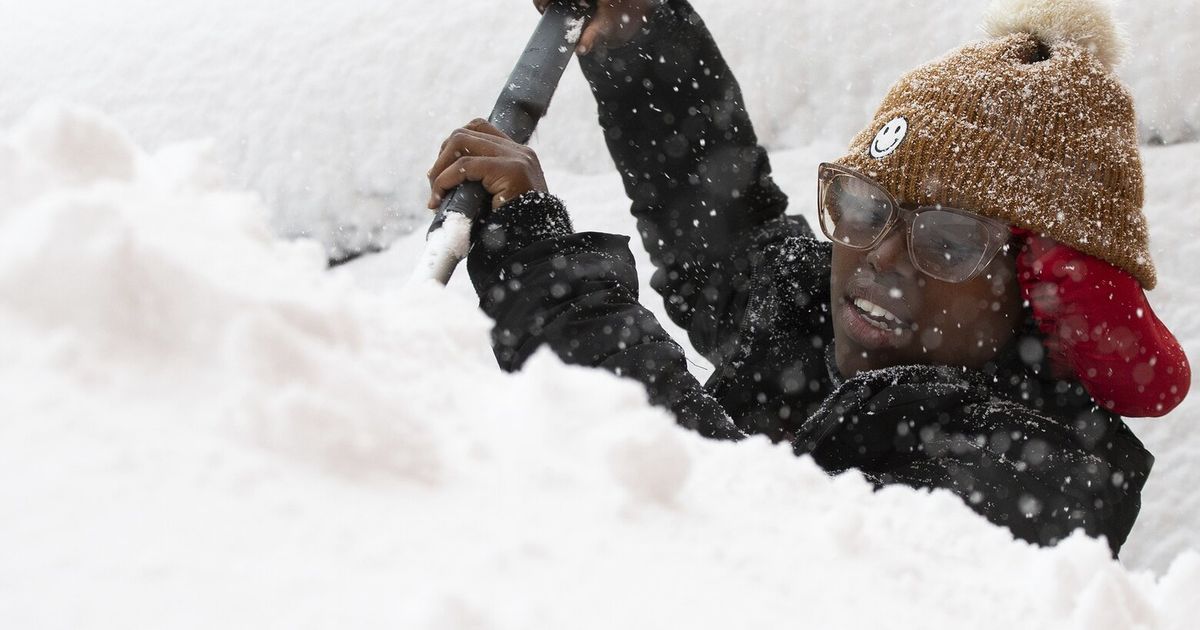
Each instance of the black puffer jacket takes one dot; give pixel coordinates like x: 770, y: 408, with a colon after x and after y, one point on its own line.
x: 751, y: 286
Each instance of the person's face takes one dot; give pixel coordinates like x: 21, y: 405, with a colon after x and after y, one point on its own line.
x: 886, y: 312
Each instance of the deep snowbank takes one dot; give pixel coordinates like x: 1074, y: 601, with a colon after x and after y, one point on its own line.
x: 333, y: 110
x: 202, y: 428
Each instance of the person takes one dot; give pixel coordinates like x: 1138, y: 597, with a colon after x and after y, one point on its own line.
x: 975, y: 321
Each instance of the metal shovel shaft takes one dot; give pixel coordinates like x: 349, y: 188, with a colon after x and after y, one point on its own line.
x: 522, y: 103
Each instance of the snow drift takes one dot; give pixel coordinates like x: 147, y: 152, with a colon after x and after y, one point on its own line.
x: 201, y: 427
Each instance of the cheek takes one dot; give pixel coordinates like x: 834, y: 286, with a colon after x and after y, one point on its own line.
x: 950, y: 312
x: 837, y: 272
x: 977, y: 317
x: 970, y: 307
x: 1002, y: 290
x: 845, y: 263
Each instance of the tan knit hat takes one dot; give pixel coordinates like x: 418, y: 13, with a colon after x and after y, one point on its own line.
x: 1031, y: 127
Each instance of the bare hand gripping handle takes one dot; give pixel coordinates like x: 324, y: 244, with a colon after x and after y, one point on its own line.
x: 522, y: 103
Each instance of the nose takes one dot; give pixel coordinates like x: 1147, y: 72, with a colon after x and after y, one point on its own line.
x: 891, y: 254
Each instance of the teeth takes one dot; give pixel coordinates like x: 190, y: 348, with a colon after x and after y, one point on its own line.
x: 875, y: 310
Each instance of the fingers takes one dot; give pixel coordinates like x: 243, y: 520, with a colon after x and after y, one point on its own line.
x: 595, y: 33
x: 461, y: 144
x: 504, y: 177
x: 485, y: 127
x: 480, y: 152
x: 599, y: 29
x: 464, y: 142
x: 615, y: 23
x: 478, y: 126
x: 461, y: 170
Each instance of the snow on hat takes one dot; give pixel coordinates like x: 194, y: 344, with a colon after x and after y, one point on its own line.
x: 1030, y: 126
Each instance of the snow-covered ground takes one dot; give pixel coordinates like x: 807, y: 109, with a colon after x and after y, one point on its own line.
x: 202, y: 427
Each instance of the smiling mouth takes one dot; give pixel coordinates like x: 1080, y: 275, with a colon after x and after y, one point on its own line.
x: 876, y: 315
x: 879, y: 149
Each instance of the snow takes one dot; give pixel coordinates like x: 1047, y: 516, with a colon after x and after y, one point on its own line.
x: 444, y: 248
x: 574, y: 30
x: 200, y: 426
x: 329, y: 109
x: 204, y: 428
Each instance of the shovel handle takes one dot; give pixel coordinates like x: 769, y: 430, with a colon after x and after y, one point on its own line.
x: 526, y: 96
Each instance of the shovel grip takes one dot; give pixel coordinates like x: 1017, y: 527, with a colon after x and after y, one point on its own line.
x: 526, y: 97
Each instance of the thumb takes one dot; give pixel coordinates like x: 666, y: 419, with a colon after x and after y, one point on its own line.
x: 596, y: 35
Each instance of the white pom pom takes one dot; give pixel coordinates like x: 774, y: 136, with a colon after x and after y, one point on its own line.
x: 1089, y: 23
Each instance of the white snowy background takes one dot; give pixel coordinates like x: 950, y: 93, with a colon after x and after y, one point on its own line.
x: 201, y: 427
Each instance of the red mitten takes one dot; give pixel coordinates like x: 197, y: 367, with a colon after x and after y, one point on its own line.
x: 1100, y: 330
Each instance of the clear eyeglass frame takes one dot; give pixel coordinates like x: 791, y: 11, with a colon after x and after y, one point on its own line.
x: 998, y: 232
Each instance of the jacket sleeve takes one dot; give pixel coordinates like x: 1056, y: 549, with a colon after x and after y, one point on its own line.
x: 577, y: 294
x: 677, y: 128
x: 927, y: 427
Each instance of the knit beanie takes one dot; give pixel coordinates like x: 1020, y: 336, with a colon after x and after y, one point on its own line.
x: 1031, y: 127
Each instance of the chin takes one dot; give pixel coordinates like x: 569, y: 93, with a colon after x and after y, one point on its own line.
x: 849, y: 357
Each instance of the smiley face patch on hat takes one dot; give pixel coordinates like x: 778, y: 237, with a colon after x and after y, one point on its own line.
x: 889, y: 138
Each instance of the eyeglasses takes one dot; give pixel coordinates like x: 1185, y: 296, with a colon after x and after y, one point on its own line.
x: 948, y: 244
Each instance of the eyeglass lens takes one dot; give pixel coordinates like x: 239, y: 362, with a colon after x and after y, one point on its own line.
x: 855, y: 211
x: 945, y: 245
